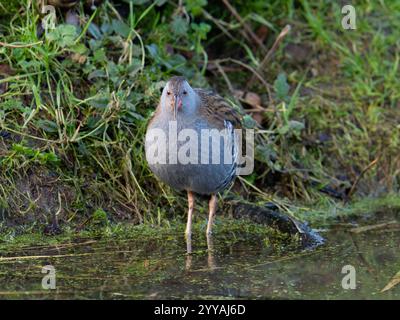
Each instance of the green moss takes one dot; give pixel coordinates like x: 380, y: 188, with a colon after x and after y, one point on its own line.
x: 325, y: 214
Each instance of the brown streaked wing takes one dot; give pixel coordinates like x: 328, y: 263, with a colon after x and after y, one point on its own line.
x: 216, y: 110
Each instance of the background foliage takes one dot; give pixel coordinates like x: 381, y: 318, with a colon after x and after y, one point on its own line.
x: 75, y: 100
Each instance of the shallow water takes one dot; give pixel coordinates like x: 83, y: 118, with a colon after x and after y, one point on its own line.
x: 130, y: 270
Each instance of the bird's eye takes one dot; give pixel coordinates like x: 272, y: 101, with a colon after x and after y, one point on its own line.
x: 185, y: 92
x: 169, y: 93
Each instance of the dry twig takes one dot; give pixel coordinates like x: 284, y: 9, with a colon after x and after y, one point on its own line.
x: 278, y: 40
x: 353, y: 187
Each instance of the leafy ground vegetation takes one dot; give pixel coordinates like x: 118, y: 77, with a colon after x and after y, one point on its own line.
x: 75, y: 101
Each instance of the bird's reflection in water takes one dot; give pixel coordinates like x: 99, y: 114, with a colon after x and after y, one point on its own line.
x: 210, y: 250
x: 210, y: 253
x: 188, y: 253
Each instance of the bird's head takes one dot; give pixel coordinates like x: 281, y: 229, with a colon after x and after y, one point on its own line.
x: 178, y: 96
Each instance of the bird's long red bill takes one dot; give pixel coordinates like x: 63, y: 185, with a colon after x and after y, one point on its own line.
x: 177, y: 105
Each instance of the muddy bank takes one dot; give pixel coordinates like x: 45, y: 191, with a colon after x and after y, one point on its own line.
x: 47, y: 200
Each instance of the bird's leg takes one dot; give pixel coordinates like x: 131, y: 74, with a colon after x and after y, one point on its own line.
x: 188, y: 232
x: 210, y: 244
x: 212, y: 208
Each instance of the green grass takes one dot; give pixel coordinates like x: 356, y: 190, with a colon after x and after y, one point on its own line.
x: 76, y: 106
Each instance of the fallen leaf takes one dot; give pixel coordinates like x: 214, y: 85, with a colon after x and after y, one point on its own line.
x: 79, y: 58
x: 253, y: 99
x: 393, y: 282
x: 258, y: 117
